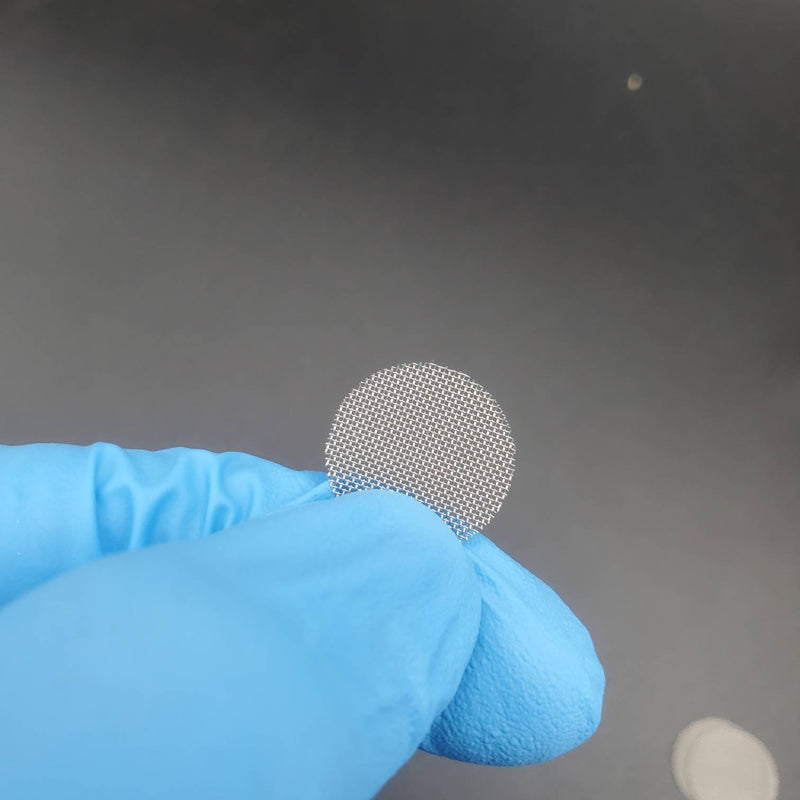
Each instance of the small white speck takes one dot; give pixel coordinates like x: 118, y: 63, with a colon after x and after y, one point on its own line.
x: 635, y: 81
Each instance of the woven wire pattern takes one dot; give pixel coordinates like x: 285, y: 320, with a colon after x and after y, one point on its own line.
x: 429, y: 432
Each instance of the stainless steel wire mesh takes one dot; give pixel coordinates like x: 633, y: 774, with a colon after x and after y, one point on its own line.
x: 429, y: 432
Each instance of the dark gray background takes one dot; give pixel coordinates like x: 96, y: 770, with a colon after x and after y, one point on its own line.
x: 216, y: 217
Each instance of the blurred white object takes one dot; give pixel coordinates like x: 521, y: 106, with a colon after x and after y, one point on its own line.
x: 713, y: 759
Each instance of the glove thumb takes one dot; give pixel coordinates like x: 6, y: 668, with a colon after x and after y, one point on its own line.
x: 304, y: 654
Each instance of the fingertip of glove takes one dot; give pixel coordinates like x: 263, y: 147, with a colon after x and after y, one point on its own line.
x: 426, y: 577
x: 534, y: 687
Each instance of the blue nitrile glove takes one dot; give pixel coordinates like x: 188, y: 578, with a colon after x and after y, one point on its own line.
x: 304, y: 650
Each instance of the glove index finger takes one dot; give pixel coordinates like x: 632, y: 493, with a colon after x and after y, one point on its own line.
x: 63, y: 505
x: 534, y: 686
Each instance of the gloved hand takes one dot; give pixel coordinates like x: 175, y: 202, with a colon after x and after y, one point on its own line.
x: 304, y: 650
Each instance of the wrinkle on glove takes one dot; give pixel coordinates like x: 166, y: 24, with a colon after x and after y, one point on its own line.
x: 63, y: 505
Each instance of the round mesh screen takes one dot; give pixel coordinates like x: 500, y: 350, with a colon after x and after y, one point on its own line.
x: 429, y: 432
